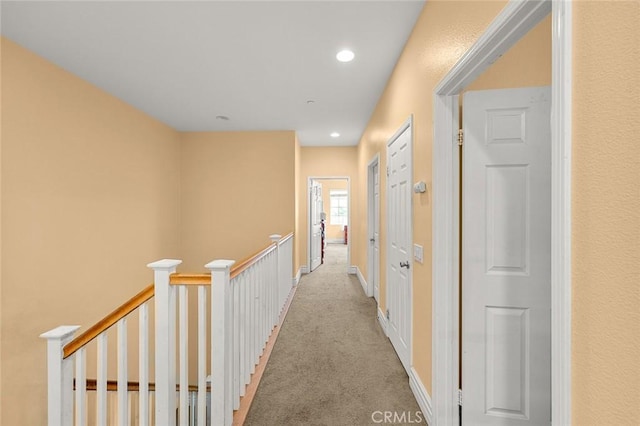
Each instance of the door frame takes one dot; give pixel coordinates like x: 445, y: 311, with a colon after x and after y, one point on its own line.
x: 320, y: 178
x: 375, y: 161
x: 408, y: 124
x: 513, y: 22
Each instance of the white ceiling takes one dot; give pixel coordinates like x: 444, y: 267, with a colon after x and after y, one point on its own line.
x: 257, y: 62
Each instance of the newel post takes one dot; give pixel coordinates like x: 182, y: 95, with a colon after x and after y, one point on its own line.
x: 275, y: 238
x: 221, y: 342
x: 59, y: 376
x: 165, y: 303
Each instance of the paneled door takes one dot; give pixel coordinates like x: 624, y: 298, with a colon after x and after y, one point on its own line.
x: 506, y: 257
x: 374, y: 229
x: 399, y: 241
x: 315, y: 211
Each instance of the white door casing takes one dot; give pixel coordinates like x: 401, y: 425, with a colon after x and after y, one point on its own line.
x: 373, y: 274
x: 506, y: 257
x: 315, y: 221
x: 510, y: 25
x: 399, y: 242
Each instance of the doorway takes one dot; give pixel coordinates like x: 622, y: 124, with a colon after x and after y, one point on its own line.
x: 399, y: 244
x: 516, y: 19
x: 373, y: 229
x: 505, y: 252
x: 329, y: 220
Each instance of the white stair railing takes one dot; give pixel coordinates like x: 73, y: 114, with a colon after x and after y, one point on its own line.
x: 245, y: 301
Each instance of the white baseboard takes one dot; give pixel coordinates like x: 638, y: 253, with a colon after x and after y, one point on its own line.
x: 336, y: 241
x: 421, y: 394
x: 363, y: 282
x: 304, y: 269
x: 296, y: 279
x: 382, y: 319
x: 352, y: 270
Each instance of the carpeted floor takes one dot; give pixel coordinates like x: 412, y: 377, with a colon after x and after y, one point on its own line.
x: 332, y: 363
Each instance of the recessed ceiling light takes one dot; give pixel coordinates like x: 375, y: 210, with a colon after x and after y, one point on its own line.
x: 335, y: 135
x: 222, y: 117
x: 311, y: 101
x: 345, y: 55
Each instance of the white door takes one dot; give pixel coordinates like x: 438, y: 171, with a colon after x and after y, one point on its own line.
x: 315, y: 220
x: 399, y: 242
x: 506, y: 257
x: 374, y: 230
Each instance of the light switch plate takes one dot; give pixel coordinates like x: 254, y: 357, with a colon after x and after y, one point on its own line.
x: 418, y: 253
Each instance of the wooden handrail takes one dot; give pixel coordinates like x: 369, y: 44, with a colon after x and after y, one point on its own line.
x: 246, y: 263
x: 146, y: 294
x: 104, y: 324
x: 112, y: 386
x: 190, y: 279
x: 240, y: 267
x: 286, y: 237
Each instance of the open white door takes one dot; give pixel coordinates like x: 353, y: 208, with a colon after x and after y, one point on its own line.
x: 506, y: 257
x: 374, y: 229
x: 315, y: 219
x: 399, y: 241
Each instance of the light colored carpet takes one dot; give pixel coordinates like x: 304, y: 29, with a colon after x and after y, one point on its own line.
x: 332, y: 363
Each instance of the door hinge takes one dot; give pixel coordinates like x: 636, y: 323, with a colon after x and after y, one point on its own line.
x: 460, y: 397
x: 387, y: 171
x: 460, y: 137
x: 387, y: 314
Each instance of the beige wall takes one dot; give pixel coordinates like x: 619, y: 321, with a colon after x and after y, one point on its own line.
x: 90, y: 190
x: 237, y: 189
x: 606, y: 214
x: 324, y: 162
x: 442, y: 33
x: 332, y: 232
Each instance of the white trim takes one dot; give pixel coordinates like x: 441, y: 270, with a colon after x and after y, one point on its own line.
x: 375, y: 161
x: 421, y: 395
x: 515, y: 20
x: 382, y: 319
x: 352, y: 270
x: 296, y: 279
x: 561, y: 137
x: 445, y: 272
x: 408, y: 124
x: 304, y: 269
x: 511, y: 24
x: 349, y: 197
x: 363, y: 282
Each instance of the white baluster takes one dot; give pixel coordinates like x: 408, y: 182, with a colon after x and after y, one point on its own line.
x: 236, y: 343
x: 242, y: 339
x: 275, y: 238
x: 101, y: 385
x: 221, y: 342
x: 59, y: 376
x: 202, y: 355
x: 253, y: 303
x: 259, y: 286
x: 247, y: 327
x: 81, y: 387
x: 165, y: 393
x: 123, y: 374
x: 184, y: 357
x: 143, y: 364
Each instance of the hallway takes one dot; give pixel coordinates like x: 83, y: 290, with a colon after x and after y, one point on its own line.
x: 332, y: 363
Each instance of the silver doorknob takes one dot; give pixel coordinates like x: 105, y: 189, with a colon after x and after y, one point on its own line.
x: 404, y: 264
